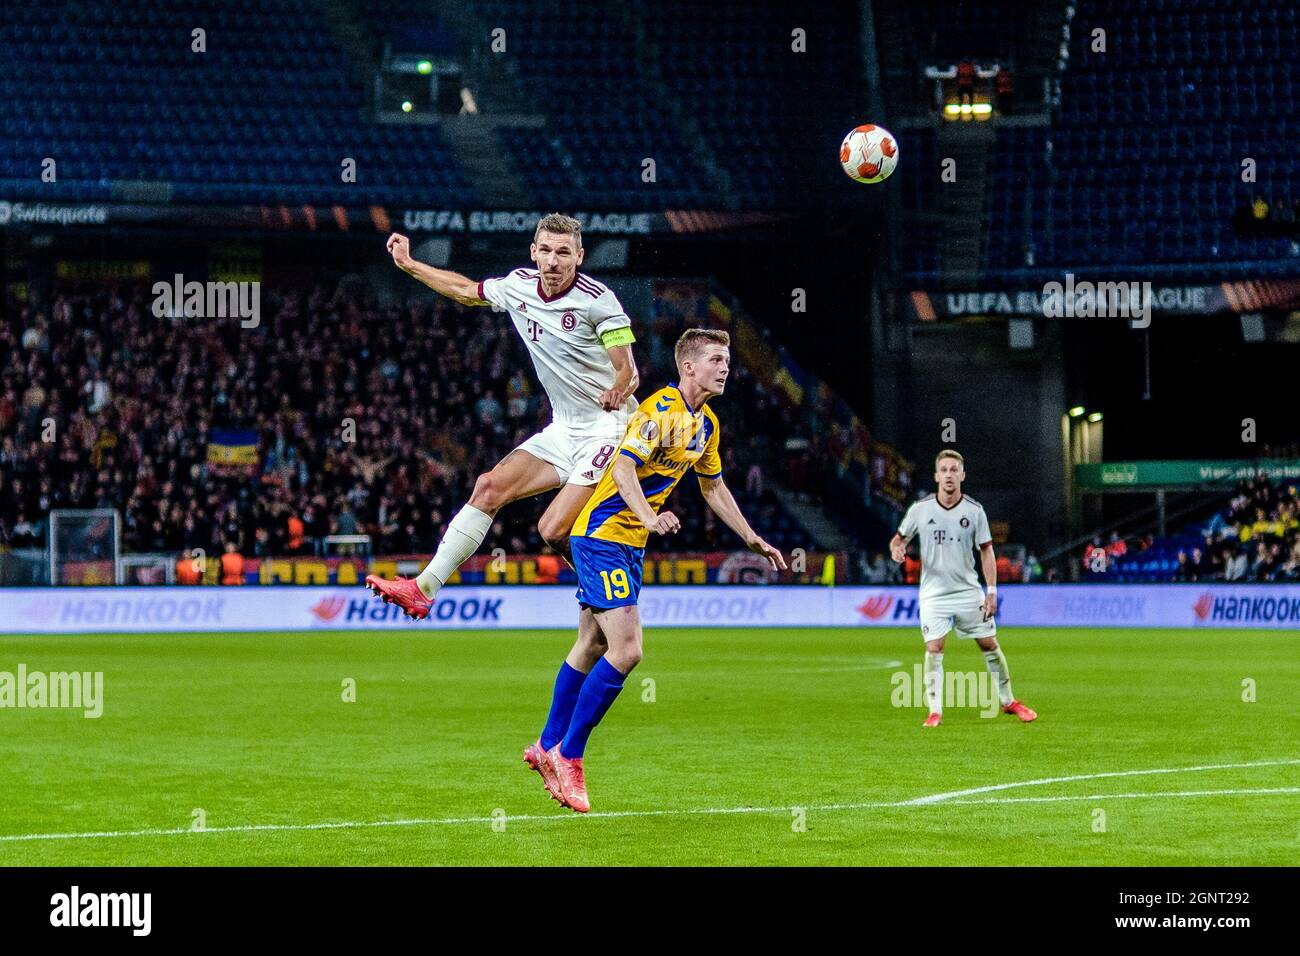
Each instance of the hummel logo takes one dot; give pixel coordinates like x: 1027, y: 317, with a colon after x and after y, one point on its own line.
x: 662, y: 407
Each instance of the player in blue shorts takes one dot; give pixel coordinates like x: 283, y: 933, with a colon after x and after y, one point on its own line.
x: 672, y: 432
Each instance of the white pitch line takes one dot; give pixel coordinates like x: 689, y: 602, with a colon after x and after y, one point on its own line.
x: 951, y: 794
x: 846, y: 668
x: 937, y: 799
x: 1117, y: 796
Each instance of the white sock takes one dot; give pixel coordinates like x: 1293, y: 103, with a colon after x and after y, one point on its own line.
x: 934, y: 682
x: 463, y: 536
x: 1001, y: 676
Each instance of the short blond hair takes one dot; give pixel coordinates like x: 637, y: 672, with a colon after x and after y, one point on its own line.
x: 559, y: 224
x: 692, y: 340
x: 949, y: 453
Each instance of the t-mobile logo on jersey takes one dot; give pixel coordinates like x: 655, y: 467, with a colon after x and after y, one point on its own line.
x: 534, y: 330
x: 939, y: 535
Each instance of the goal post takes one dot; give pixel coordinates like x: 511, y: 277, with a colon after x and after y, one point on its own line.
x: 85, y: 546
x: 147, y: 569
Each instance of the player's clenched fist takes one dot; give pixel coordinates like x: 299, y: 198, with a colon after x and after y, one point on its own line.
x: 666, y: 523
x: 898, y: 550
x: 399, y: 247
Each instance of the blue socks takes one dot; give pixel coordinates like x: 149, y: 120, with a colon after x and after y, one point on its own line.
x: 598, y: 692
x: 567, y: 685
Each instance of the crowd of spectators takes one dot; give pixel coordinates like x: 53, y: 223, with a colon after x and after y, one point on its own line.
x: 370, y: 419
x: 1255, y: 538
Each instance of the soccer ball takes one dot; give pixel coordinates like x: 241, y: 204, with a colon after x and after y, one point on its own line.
x: 869, y: 153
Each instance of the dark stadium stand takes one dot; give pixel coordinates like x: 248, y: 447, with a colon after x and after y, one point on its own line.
x: 1016, y: 174
x: 772, y: 163
x: 1186, y: 91
x: 603, y: 117
x: 1142, y: 161
x: 273, y: 110
x: 113, y: 94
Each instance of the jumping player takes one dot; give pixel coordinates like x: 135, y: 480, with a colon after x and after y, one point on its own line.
x: 580, y: 340
x: 951, y: 526
x: 673, y: 431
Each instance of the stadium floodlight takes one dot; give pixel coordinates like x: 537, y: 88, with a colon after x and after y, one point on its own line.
x: 1077, y: 411
x: 968, y: 109
x: 1095, y: 417
x: 407, y: 106
x: 424, y: 67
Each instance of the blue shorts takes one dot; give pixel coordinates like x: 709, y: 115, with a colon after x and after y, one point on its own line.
x: 609, y: 574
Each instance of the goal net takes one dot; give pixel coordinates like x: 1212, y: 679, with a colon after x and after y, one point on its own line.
x: 85, y: 546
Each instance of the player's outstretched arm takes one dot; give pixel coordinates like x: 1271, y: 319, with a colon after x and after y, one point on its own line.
x: 719, y: 498
x: 626, y: 378
x: 629, y: 487
x: 451, y: 284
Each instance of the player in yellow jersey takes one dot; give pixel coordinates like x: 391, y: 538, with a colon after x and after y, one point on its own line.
x: 673, y: 431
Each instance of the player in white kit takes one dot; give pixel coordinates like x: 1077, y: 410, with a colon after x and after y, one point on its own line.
x: 951, y: 526
x: 580, y: 340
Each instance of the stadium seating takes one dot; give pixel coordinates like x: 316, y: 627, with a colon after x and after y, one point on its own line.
x: 266, y: 115
x: 1151, y: 136
x: 1141, y: 169
x: 603, y: 119
x: 753, y: 98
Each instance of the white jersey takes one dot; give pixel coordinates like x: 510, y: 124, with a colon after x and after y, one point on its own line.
x: 949, y: 537
x: 563, y: 336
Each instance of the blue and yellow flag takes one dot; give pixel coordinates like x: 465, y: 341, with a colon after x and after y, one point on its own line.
x: 233, y: 448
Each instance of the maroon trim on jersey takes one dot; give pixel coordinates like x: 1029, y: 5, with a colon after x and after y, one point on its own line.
x: 481, y: 296
x: 960, y: 499
x: 559, y: 295
x: 987, y: 544
x: 589, y: 286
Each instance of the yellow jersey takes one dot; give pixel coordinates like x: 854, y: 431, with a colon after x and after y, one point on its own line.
x: 665, y: 438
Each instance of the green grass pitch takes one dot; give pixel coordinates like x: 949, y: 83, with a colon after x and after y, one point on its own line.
x: 759, y: 747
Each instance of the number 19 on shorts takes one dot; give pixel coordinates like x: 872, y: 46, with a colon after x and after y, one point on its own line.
x: 616, y: 584
x: 609, y: 573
